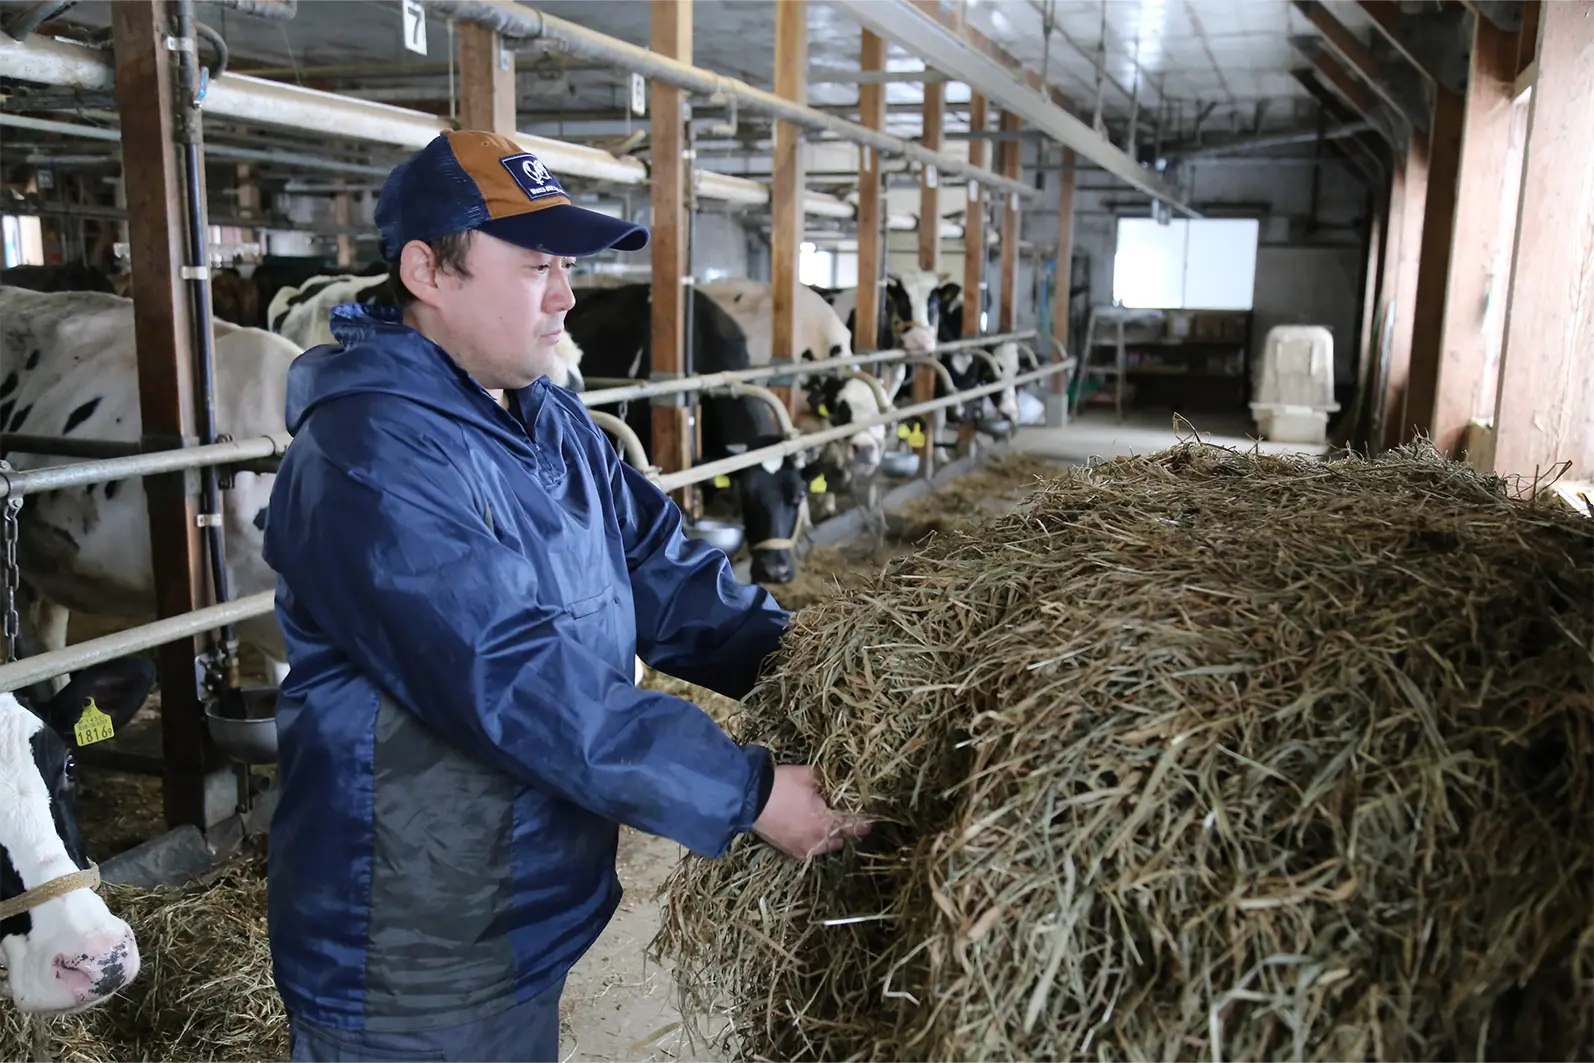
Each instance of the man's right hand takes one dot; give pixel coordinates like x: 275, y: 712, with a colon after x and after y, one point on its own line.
x: 796, y: 819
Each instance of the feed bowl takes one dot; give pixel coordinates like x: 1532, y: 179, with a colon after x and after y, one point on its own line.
x: 1000, y: 427
x: 725, y: 534
x: 244, y: 725
x: 900, y: 464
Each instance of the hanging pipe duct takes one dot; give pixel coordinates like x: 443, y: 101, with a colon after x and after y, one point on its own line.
x: 270, y: 10
x: 516, y: 21
x: 187, y: 130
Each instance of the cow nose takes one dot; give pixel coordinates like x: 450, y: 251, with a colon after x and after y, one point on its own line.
x: 865, y: 456
x: 106, y: 966
x: 773, y: 567
x: 918, y: 341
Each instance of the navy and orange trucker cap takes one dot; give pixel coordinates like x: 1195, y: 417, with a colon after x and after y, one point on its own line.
x: 469, y: 179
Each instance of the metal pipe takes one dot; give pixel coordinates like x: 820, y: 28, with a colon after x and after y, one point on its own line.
x: 875, y: 387
x: 513, y: 20
x: 220, y: 151
x: 66, y: 446
x: 636, y: 453
x: 42, y: 666
x: 901, y: 21
x: 33, y: 17
x: 735, y: 463
x: 81, y: 474
x: 609, y: 396
x: 270, y: 10
x: 257, y: 100
x: 187, y: 131
x: 764, y: 395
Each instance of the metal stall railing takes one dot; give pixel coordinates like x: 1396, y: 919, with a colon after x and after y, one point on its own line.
x: 15, y: 485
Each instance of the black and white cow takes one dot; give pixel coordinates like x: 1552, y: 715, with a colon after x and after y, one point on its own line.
x: 614, y: 327
x: 71, y: 369
x: 64, y: 953
x: 304, y: 315
x: 910, y: 316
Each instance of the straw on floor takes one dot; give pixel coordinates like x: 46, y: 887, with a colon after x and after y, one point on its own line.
x: 1199, y: 755
x: 204, y: 992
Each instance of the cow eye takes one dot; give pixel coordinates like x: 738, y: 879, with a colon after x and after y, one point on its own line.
x: 69, y: 769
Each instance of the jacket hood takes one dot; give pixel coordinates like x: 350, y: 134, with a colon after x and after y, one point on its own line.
x: 377, y: 352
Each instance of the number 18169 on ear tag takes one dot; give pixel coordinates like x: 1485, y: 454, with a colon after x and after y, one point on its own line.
x: 93, y: 726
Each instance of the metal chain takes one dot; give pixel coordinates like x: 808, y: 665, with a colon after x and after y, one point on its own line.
x: 12, y: 575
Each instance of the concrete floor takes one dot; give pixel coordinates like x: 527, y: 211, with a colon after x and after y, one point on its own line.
x: 1099, y: 434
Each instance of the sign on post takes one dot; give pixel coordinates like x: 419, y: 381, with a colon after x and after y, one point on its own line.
x: 639, y: 95
x: 415, y: 26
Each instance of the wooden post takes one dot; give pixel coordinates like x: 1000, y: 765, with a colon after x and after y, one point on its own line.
x: 934, y: 111
x: 249, y: 203
x: 786, y: 193
x: 145, y: 84
x: 1414, y: 195
x: 1433, y: 270
x: 1377, y: 233
x: 1388, y: 288
x: 671, y: 36
x: 1061, y: 296
x: 1485, y: 196
x: 486, y: 80
x: 974, y: 219
x: 871, y: 252
x: 1012, y: 152
x: 930, y: 179
x: 1546, y: 368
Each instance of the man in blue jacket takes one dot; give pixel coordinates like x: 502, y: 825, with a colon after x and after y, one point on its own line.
x: 466, y: 572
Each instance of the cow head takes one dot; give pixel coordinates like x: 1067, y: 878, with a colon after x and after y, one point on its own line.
x: 1007, y: 365
x: 770, y: 495
x: 67, y: 953
x: 914, y: 301
x: 842, y: 401
x: 232, y: 298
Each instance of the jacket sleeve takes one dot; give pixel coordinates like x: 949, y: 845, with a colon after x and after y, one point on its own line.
x: 395, y: 563
x: 693, y: 619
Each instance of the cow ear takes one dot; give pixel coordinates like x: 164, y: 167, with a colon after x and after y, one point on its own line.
x: 950, y: 291
x: 115, y: 689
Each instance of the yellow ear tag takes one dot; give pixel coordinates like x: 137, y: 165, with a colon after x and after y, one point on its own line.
x: 824, y: 411
x: 93, y: 726
x: 722, y: 481
x: 817, y: 485
x: 902, y: 431
x: 916, y: 437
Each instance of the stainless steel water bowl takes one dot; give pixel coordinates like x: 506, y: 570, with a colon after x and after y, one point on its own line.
x: 725, y: 534
x: 900, y: 464
x: 1000, y: 427
x: 251, y: 737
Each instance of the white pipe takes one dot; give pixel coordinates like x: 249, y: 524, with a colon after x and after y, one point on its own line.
x: 635, y: 451
x: 251, y: 99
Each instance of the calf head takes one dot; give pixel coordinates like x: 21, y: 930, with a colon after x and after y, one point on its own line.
x: 67, y: 953
x: 771, y: 496
x: 842, y: 401
x: 1007, y: 365
x: 914, y: 302
x: 233, y: 298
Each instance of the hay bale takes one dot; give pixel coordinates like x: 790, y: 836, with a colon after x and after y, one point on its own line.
x: 1197, y: 755
x: 205, y: 990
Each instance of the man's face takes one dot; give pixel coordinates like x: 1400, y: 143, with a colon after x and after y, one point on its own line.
x: 504, y: 317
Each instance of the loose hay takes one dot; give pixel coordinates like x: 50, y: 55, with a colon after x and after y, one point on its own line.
x: 1198, y: 755
x: 205, y: 990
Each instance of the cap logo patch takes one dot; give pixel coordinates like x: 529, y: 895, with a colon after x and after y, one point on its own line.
x: 532, y: 176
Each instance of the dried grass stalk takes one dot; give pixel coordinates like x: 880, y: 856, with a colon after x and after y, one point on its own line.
x: 205, y: 990
x: 1198, y: 755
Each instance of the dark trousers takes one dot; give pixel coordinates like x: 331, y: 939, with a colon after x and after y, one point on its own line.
x: 525, y: 1032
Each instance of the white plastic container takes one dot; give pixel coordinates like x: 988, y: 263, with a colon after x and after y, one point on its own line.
x: 1296, y: 393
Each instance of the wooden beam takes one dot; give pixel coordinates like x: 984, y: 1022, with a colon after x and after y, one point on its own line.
x: 871, y: 228
x: 1358, y: 58
x: 1377, y: 230
x: 1354, y: 92
x: 161, y: 315
x: 670, y: 35
x: 1528, y: 39
x: 1386, y: 18
x: 1012, y: 153
x: 1486, y: 199
x: 1414, y: 196
x: 1062, y: 294
x: 1433, y: 271
x: 486, y: 80
x: 974, y: 221
x: 786, y: 195
x: 930, y: 181
x: 1542, y: 413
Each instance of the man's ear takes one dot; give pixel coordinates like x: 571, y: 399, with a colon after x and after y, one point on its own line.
x: 116, y: 688
x: 419, y: 269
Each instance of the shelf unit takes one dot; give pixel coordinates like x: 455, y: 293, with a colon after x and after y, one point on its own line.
x: 1196, y: 359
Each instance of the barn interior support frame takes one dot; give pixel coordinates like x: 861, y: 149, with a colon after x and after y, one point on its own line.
x: 517, y: 20
x: 173, y: 629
